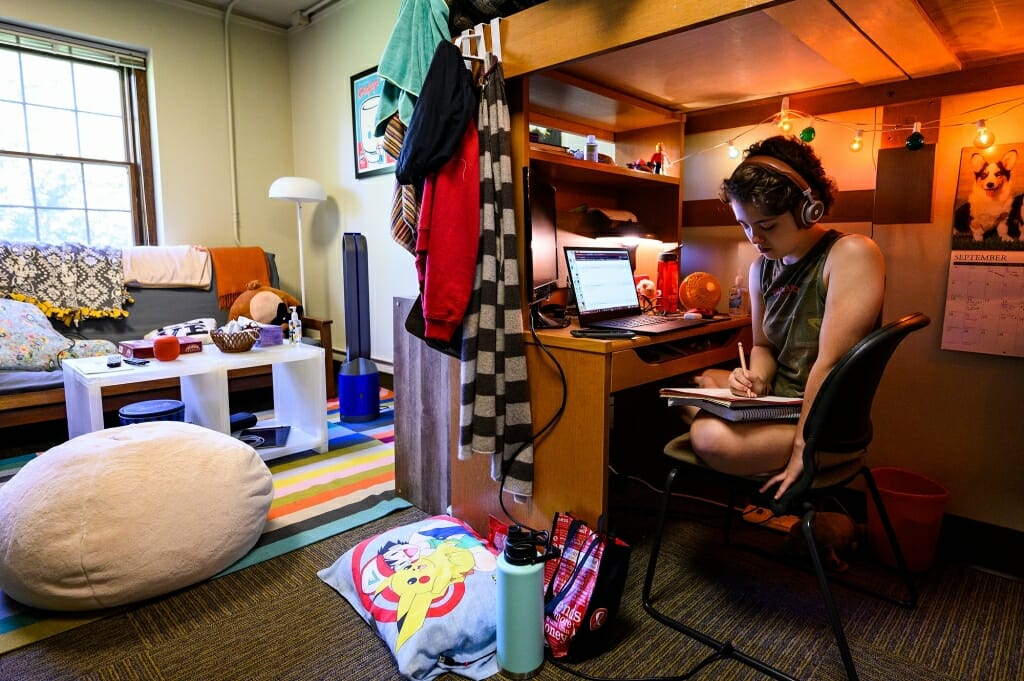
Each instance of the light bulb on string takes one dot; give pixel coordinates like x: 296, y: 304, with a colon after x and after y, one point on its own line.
x: 984, y: 138
x: 915, y: 140
x: 857, y: 142
x: 734, y: 152
x: 807, y: 134
x: 784, y: 123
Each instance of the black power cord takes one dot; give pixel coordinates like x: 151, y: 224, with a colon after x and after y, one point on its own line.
x: 506, y: 465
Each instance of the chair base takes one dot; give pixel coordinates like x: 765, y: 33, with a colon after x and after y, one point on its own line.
x: 726, y: 649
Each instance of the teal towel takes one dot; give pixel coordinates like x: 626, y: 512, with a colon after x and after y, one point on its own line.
x: 420, y: 26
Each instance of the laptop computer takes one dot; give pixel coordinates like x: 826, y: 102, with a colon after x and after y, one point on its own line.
x: 602, y: 281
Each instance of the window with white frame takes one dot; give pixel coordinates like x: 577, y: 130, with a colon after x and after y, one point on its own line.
x: 74, y: 142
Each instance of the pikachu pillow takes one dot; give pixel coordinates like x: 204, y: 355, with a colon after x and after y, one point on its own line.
x: 430, y: 590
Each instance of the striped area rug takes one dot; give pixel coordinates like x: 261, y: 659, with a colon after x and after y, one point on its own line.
x: 315, y: 496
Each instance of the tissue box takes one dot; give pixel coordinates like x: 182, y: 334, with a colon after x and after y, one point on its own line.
x: 143, y: 349
x: 270, y: 334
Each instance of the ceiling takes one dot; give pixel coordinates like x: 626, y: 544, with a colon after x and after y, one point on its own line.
x: 792, y: 47
x: 808, y: 45
x: 279, y: 13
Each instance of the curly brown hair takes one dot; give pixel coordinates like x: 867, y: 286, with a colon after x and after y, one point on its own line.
x: 774, y: 193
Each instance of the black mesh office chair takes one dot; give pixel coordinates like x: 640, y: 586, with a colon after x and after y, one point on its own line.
x: 837, y: 432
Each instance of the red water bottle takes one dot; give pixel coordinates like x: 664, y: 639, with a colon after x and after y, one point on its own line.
x: 668, y: 281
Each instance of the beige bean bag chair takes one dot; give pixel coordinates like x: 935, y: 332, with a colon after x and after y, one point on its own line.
x: 124, y: 514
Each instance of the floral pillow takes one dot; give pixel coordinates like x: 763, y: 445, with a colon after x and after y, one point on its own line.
x: 89, y: 348
x: 430, y: 590
x: 28, y: 341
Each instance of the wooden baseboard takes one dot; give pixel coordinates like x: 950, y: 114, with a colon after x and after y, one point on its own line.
x: 991, y: 547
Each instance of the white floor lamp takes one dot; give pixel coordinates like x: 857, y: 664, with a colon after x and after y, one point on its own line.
x: 298, y: 189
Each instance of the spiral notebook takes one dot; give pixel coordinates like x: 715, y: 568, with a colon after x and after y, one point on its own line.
x: 723, y: 404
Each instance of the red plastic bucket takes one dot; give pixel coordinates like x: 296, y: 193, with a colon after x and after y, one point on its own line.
x: 915, y: 505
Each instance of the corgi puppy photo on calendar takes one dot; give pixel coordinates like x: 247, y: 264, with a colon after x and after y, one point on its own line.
x: 993, y: 207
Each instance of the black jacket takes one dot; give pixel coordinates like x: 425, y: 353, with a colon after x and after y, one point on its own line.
x: 445, y: 107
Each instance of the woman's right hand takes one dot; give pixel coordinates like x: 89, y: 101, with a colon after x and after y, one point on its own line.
x: 746, y: 384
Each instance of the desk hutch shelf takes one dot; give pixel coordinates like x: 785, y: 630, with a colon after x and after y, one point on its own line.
x: 557, y: 100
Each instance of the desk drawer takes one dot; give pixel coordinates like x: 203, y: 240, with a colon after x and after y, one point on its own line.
x: 638, y: 366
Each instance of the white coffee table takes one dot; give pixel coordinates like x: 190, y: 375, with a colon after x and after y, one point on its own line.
x: 300, y: 391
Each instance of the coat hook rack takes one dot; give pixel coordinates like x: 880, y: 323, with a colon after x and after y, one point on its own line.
x: 478, y: 34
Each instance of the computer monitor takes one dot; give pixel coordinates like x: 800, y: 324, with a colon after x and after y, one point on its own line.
x: 541, y: 254
x: 541, y: 237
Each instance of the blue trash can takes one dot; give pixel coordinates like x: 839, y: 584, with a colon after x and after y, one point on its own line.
x: 152, y: 410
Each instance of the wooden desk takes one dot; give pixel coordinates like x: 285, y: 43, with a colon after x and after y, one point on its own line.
x: 571, y: 460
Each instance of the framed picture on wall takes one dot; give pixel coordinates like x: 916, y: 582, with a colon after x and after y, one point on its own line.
x: 370, y: 156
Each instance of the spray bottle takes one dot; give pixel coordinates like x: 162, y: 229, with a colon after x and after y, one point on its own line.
x: 736, y: 296
x: 294, y: 327
x: 739, y: 298
x: 520, y: 614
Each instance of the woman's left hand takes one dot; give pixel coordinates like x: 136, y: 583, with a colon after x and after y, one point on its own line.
x: 787, y: 477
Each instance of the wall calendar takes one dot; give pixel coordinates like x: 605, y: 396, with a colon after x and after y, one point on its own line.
x: 985, y: 287
x: 985, y: 303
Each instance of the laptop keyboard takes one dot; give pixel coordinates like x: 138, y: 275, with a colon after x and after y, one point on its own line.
x: 632, y: 322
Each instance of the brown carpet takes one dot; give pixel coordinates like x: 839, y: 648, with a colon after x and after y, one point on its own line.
x: 277, y: 620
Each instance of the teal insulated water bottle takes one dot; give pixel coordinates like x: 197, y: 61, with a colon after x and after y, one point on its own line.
x: 520, y: 621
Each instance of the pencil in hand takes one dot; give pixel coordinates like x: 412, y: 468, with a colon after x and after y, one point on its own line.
x: 743, y: 365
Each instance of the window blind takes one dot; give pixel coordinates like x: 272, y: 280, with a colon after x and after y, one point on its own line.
x: 75, y: 48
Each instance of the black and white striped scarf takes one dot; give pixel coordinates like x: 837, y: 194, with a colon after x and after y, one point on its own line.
x: 495, y: 412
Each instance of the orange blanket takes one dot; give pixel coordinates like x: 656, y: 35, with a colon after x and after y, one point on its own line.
x: 234, y: 268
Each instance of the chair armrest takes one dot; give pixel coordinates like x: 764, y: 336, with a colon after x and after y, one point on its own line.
x: 323, y: 327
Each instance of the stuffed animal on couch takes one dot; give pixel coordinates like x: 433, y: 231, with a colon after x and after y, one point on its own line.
x: 264, y: 304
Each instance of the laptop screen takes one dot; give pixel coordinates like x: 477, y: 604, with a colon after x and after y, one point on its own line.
x: 602, y: 280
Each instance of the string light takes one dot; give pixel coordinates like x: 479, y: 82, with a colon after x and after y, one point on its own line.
x: 984, y: 138
x: 808, y: 133
x: 784, y: 123
x: 857, y: 141
x: 915, y: 140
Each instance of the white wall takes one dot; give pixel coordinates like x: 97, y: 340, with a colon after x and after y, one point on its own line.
x: 189, y: 104
x: 292, y: 115
x: 346, y: 39
x: 950, y: 416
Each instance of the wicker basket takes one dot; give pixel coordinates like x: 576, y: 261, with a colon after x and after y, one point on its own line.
x: 239, y: 341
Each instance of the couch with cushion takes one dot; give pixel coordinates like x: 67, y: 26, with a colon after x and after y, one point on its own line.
x: 32, y: 384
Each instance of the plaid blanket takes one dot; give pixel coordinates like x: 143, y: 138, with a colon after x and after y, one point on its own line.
x: 495, y: 412
x: 68, y: 281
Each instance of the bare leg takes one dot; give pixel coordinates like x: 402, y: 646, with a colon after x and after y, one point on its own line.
x: 713, y: 378
x: 709, y: 378
x: 742, y: 448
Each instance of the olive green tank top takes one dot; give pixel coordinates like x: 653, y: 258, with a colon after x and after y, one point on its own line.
x: 794, y: 305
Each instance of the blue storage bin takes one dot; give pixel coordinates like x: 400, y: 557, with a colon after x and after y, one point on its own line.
x: 152, y: 410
